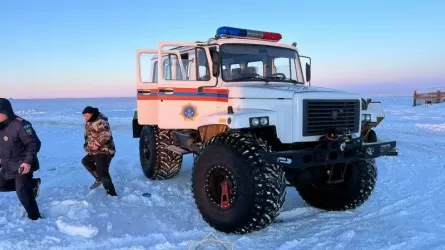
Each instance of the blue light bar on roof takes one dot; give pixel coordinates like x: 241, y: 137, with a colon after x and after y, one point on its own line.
x: 230, y: 31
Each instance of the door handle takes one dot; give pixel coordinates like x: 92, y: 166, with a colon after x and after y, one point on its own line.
x: 166, y: 91
x: 144, y: 92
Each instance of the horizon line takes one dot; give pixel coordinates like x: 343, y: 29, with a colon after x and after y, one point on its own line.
x: 122, y: 97
x: 84, y: 97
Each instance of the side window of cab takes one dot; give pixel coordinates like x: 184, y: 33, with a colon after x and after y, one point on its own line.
x: 195, y: 66
x: 155, y: 72
x: 172, y: 68
x: 203, y: 65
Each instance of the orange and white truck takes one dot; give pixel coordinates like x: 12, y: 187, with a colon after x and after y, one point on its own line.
x: 241, y: 104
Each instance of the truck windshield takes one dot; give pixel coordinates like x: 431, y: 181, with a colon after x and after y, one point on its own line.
x: 248, y: 62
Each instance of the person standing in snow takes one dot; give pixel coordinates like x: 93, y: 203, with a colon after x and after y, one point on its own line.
x: 100, y: 148
x: 19, y: 145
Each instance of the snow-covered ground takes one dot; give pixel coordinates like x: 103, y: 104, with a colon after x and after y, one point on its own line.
x: 406, y: 211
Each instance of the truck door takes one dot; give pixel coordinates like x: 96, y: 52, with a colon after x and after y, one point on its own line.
x: 180, y: 103
x: 148, y: 62
x: 147, y: 86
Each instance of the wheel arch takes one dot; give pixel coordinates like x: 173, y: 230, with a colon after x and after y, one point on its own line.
x: 240, y: 120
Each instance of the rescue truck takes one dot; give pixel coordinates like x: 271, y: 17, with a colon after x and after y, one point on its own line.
x: 243, y: 106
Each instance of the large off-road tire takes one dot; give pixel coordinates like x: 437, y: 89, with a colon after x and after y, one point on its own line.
x: 157, y: 162
x: 358, y: 185
x: 256, y: 190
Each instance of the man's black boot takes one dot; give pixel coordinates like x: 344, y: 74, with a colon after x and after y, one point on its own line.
x: 35, y: 217
x: 111, y: 192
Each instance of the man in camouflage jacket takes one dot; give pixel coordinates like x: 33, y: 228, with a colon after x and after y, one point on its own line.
x: 100, y: 148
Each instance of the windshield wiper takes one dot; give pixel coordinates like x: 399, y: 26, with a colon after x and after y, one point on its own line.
x: 256, y: 78
x: 267, y: 79
x: 278, y: 79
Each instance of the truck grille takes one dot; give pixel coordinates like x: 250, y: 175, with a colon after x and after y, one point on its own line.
x: 320, y: 115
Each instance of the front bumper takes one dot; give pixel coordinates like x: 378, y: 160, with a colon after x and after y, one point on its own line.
x: 332, y: 153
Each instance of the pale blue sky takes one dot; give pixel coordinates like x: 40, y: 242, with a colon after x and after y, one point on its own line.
x: 87, y: 48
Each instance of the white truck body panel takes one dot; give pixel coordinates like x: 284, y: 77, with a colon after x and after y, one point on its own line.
x: 239, y: 118
x: 375, y: 109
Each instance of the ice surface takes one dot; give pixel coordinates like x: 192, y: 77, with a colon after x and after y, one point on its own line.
x: 77, y: 230
x: 406, y: 211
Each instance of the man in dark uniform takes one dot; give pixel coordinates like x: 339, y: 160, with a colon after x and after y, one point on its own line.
x: 19, y: 146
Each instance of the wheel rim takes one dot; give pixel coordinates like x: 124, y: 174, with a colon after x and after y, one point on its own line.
x: 220, y: 187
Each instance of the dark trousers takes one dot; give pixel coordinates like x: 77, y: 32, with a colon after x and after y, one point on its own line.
x: 98, y: 165
x: 23, y: 185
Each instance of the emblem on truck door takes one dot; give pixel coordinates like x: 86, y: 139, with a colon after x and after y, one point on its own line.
x: 189, y: 111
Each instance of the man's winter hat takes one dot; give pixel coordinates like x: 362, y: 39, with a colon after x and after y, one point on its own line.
x: 6, y: 107
x: 90, y: 110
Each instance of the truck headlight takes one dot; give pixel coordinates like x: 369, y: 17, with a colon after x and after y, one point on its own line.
x: 366, y: 117
x: 259, y: 121
x: 255, y: 122
x: 264, y: 121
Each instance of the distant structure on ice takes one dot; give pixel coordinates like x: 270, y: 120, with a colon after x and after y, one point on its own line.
x: 428, y: 97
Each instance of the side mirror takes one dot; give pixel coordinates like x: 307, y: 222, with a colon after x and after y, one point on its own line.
x: 215, y: 64
x: 308, y: 72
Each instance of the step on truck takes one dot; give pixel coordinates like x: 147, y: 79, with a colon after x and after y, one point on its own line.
x: 243, y: 106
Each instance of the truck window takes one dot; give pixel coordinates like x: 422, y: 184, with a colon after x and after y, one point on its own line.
x: 256, y: 67
x: 285, y: 66
x: 282, y: 66
x: 260, y: 63
x: 203, y: 65
x: 172, y: 67
x: 167, y: 69
x: 148, y: 68
x: 155, y: 72
x: 235, y: 71
x: 196, y: 66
